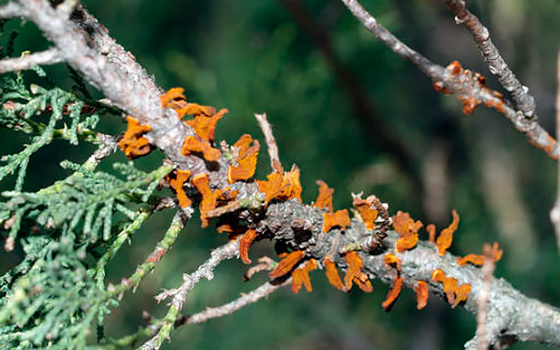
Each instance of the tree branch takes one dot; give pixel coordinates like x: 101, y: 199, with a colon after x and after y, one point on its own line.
x: 206, y: 270
x: 496, y: 64
x: 482, y: 339
x: 50, y: 56
x: 10, y: 10
x: 227, y: 309
x: 272, y: 147
x: 511, y: 315
x: 469, y: 88
x: 169, y: 238
x: 84, y: 44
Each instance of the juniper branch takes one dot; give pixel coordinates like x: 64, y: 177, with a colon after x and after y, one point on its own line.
x: 510, y: 312
x: 511, y: 315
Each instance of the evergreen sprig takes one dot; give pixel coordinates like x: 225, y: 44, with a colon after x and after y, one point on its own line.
x: 55, y: 295
x: 82, y: 204
x: 70, y: 230
x: 23, y: 107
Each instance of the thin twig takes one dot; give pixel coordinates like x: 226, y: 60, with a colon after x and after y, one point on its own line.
x: 227, y: 309
x: 483, y: 338
x: 169, y: 238
x: 496, y: 64
x: 108, y: 145
x: 210, y: 313
x: 555, y: 212
x: 50, y: 56
x: 179, y: 295
x: 264, y: 264
x: 272, y: 147
x: 468, y: 86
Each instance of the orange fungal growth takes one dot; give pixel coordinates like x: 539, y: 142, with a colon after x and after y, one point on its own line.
x: 133, y: 143
x: 287, y: 264
x: 431, y: 228
x: 477, y: 260
x: 281, y: 186
x: 393, y: 294
x: 199, y: 110
x: 363, y: 283
x: 445, y: 238
x: 176, y: 181
x: 195, y: 144
x: 469, y: 104
x: 332, y: 274
x: 232, y: 228
x: 465, y: 77
x: 493, y: 252
x: 454, y: 292
x: 340, y: 218
x: 393, y: 260
x: 406, y: 242
x: 245, y: 243
x: 209, y: 197
x: 354, y: 273
x: 454, y: 67
x: 272, y: 187
x: 438, y: 275
x: 172, y: 94
x: 324, y: 198
x: 300, y: 276
x: 421, y: 290
x: 291, y: 187
x: 407, y: 229
x: 246, y: 161
x: 175, y: 99
x: 204, y: 121
x: 403, y: 224
x: 364, y: 207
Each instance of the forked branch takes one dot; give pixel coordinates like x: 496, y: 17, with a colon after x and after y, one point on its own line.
x: 470, y: 88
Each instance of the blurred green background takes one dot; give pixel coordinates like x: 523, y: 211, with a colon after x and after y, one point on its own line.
x: 348, y: 111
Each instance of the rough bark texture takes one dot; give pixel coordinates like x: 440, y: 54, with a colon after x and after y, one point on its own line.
x: 511, y: 315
